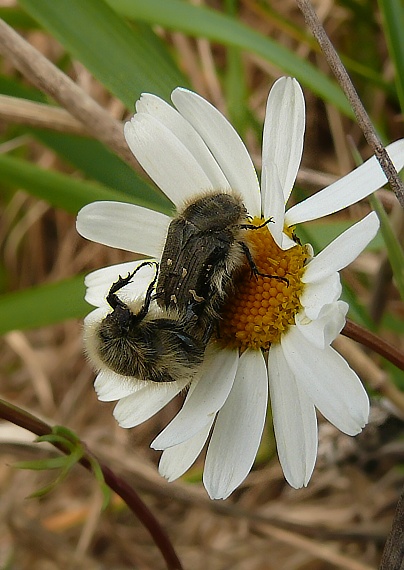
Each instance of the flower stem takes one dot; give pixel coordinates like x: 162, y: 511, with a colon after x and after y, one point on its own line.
x: 393, y: 552
x: 377, y: 379
x: 345, y: 82
x: 20, y: 417
x: 374, y: 342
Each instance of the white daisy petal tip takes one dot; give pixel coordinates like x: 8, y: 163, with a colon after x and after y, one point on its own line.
x: 284, y: 132
x: 351, y: 188
x: 204, y: 399
x: 343, y: 250
x: 238, y: 429
x: 86, y: 213
x: 143, y: 403
x: 181, y: 90
x: 128, y: 131
x: 176, y: 460
x: 335, y: 389
x: 360, y: 417
x: 111, y: 387
x: 146, y: 101
x: 294, y: 418
x: 295, y: 484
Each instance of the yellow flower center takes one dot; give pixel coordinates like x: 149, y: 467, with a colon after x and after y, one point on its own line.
x: 261, y: 309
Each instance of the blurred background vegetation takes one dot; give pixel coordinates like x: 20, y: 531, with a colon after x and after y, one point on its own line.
x: 53, y: 162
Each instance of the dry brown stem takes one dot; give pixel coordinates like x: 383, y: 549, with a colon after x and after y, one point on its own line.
x: 49, y: 79
x: 21, y: 111
x: 393, y: 553
x: 360, y: 112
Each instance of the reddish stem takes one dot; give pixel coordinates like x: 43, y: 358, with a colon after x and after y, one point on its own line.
x: 374, y: 342
x: 31, y: 423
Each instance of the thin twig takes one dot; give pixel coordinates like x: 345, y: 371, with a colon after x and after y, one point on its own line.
x: 49, y: 79
x: 346, y: 84
x: 21, y: 111
x: 31, y: 423
x: 393, y: 553
x: 323, y: 552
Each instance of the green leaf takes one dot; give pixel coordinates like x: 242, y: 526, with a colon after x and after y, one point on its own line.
x: 69, y: 462
x: 235, y: 82
x: 394, y: 249
x: 56, y: 439
x: 67, y: 434
x: 98, y: 163
x: 91, y: 156
x: 98, y: 474
x: 16, y: 18
x: 74, y: 450
x: 43, y: 305
x: 60, y: 190
x: 127, y: 60
x: 14, y: 88
x: 208, y: 23
x: 42, y: 464
x: 393, y: 25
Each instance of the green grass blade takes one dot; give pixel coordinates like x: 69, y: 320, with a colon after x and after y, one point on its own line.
x: 16, y: 18
x: 126, y: 60
x: 59, y: 190
x: 201, y: 21
x: 98, y: 163
x: 90, y: 156
x: 235, y: 81
x: 43, y: 305
x: 394, y: 250
x: 393, y: 23
x: 14, y: 88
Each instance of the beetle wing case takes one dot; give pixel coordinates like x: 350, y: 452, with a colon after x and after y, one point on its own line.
x: 201, y: 253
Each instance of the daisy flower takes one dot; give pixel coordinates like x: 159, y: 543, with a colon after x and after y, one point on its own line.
x: 275, y: 338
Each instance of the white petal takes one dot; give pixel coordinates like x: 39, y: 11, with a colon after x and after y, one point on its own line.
x: 284, y: 132
x: 273, y: 203
x: 319, y: 293
x: 326, y: 327
x: 295, y: 422
x: 331, y: 384
x: 175, y: 122
x: 165, y: 158
x: 350, y: 189
x: 140, y: 406
x: 90, y: 336
x: 224, y: 143
x: 124, y: 226
x: 343, y: 250
x: 96, y: 316
x: 202, y: 403
x: 98, y: 282
x: 110, y: 386
x: 238, y: 429
x: 178, y: 459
